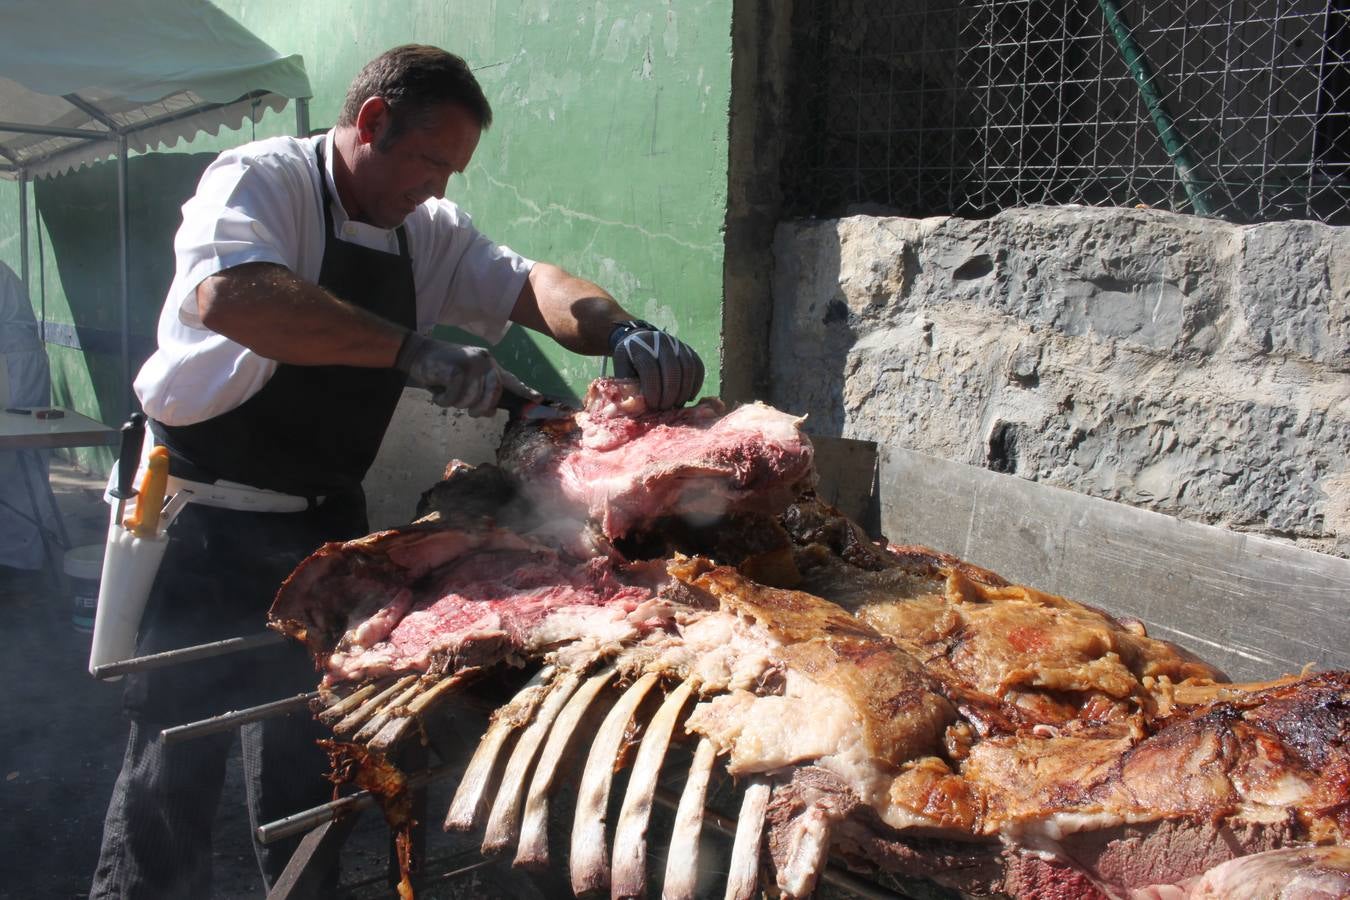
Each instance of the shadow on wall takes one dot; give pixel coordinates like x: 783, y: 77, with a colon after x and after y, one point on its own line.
x: 820, y: 325
x: 82, y: 297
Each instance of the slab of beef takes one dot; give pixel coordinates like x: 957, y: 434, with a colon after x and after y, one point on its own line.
x: 436, y: 598
x: 626, y: 468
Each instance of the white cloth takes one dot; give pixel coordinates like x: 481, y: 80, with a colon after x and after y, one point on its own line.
x: 29, y: 381
x: 262, y: 203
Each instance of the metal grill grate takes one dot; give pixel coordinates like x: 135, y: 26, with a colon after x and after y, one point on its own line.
x: 1239, y: 110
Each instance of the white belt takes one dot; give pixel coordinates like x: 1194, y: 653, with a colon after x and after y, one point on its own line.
x: 236, y: 496
x: 225, y: 495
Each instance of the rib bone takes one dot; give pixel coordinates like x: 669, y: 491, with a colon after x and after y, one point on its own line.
x: 744, y: 869
x: 808, y: 850
x: 468, y: 806
x: 504, y: 821
x: 630, y: 836
x: 370, y: 707
x: 372, y: 728
x: 682, y: 862
x: 394, y: 730
x: 344, y: 705
x: 533, y: 848
x: 589, y: 858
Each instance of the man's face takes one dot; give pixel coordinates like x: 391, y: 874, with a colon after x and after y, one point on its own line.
x: 390, y: 183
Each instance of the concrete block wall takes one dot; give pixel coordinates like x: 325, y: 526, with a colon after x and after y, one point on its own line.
x: 1184, y: 365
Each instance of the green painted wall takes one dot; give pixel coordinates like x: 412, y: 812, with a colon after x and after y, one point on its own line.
x: 608, y: 156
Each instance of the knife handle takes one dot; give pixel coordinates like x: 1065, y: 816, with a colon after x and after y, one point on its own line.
x: 129, y: 459
x: 144, y: 522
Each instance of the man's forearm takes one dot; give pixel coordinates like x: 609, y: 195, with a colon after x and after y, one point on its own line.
x: 576, y: 313
x: 276, y: 314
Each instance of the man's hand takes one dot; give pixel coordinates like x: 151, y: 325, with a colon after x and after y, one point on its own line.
x: 669, y: 370
x: 463, y: 377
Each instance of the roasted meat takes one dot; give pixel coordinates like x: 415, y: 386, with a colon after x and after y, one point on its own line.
x: 679, y: 598
x: 436, y: 599
x: 626, y: 469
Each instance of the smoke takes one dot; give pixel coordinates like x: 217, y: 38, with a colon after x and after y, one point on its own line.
x: 702, y: 502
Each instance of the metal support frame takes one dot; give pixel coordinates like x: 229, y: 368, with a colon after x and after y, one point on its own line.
x: 88, y: 134
x: 303, y: 877
x: 23, y: 233
x: 124, y: 262
x: 302, y: 117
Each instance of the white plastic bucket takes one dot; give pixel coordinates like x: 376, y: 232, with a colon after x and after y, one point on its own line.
x: 83, y: 567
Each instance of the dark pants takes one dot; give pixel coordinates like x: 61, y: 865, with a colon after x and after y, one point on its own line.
x: 157, y: 835
x: 220, y: 573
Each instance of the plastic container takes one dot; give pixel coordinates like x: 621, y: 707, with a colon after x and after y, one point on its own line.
x: 83, y: 567
x: 129, y: 567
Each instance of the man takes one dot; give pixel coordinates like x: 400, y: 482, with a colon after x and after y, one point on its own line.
x: 308, y: 273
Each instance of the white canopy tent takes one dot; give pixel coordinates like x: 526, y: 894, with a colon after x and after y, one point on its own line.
x: 84, y: 81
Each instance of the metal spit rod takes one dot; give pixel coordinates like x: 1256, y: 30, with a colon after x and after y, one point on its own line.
x: 188, y: 654
x: 226, y: 721
x: 300, y: 822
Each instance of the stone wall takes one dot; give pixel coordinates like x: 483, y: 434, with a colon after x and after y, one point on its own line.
x: 1188, y: 366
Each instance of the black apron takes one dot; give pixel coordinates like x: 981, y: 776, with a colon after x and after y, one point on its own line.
x: 311, y: 431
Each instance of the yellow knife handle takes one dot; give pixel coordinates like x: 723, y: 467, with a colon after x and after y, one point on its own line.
x: 144, y: 522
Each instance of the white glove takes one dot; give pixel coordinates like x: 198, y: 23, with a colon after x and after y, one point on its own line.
x: 464, y: 377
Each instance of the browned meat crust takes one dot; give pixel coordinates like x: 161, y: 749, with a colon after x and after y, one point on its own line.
x: 901, y: 715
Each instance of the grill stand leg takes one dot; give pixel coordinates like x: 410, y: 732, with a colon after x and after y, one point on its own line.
x: 319, y: 849
x: 317, y: 853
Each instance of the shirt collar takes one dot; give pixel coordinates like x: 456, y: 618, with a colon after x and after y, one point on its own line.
x: 339, y: 213
x: 345, y: 228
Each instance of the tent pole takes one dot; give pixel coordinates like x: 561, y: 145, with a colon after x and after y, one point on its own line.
x: 302, y: 117
x: 124, y: 257
x: 23, y: 232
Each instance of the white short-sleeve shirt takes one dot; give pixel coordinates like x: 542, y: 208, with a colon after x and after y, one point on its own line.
x: 262, y: 203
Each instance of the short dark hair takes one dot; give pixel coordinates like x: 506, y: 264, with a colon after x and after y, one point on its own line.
x: 414, y: 79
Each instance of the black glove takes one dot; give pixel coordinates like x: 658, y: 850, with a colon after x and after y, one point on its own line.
x: 669, y: 370
x: 463, y: 377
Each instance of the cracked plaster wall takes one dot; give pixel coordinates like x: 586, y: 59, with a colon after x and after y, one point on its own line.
x: 1180, y: 364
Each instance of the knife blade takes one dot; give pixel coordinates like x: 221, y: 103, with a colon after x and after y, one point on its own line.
x: 523, y: 408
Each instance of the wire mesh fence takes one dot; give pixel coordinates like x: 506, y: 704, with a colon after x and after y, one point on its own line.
x: 1239, y: 110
